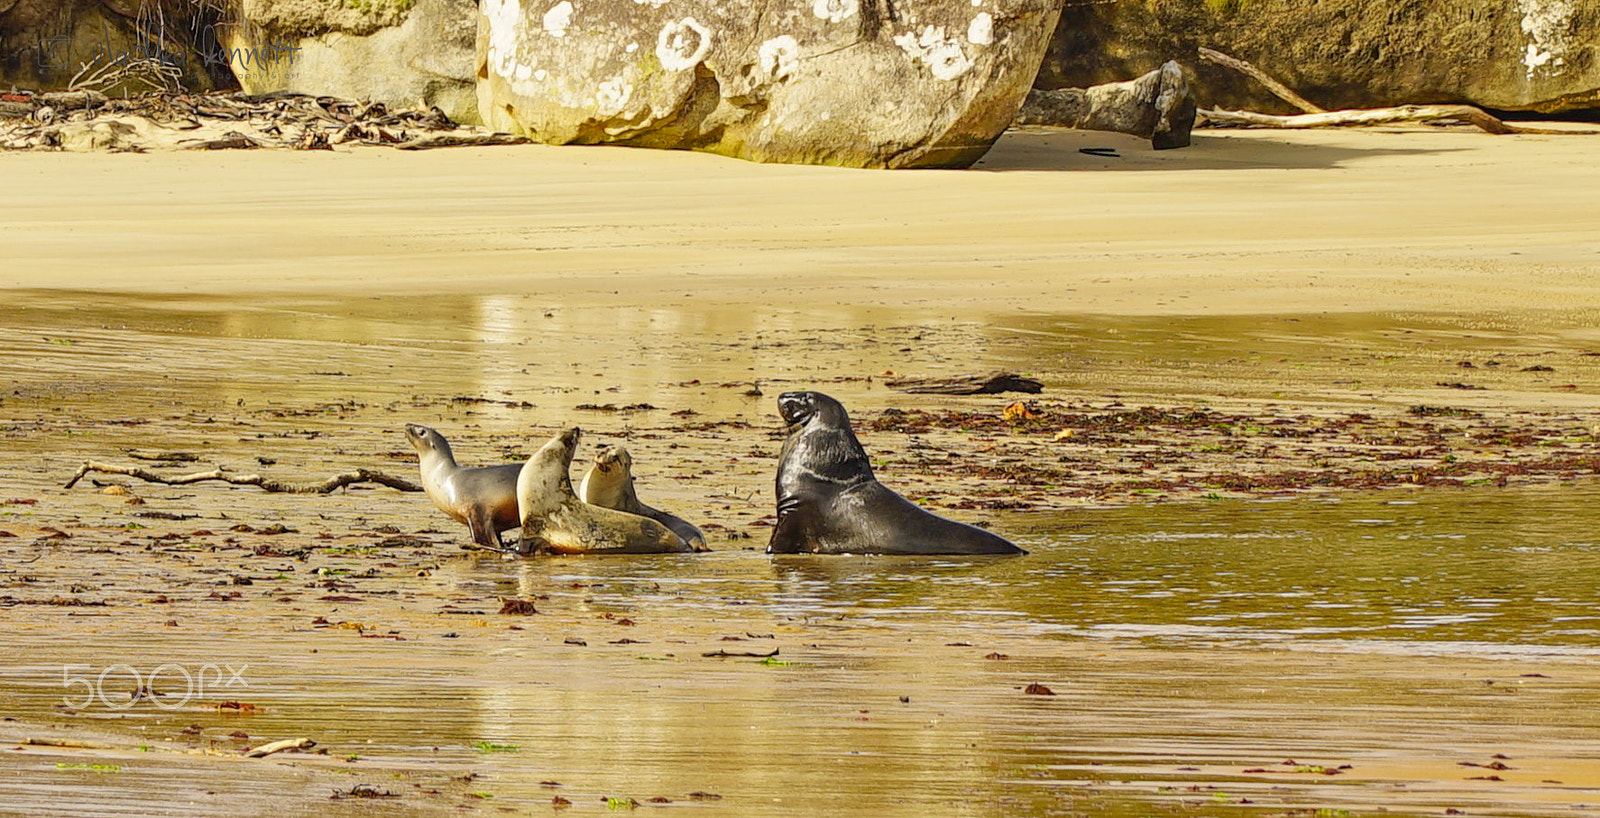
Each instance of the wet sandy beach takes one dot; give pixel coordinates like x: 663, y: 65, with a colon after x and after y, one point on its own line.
x: 1309, y: 493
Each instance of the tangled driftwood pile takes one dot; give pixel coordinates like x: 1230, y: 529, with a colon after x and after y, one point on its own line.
x: 91, y: 120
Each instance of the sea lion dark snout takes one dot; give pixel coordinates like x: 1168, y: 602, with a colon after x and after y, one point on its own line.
x: 794, y: 406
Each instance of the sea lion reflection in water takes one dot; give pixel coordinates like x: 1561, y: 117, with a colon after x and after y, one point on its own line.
x: 555, y: 521
x: 830, y: 503
x: 483, y: 498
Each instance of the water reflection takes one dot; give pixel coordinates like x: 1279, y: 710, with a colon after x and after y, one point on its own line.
x: 1491, y: 569
x: 1184, y: 643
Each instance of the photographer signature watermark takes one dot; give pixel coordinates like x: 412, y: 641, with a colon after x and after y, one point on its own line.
x: 169, y: 686
x: 65, y: 54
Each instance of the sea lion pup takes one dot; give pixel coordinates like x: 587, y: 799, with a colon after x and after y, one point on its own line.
x: 484, y: 499
x: 555, y: 521
x: 609, y: 483
x: 829, y: 502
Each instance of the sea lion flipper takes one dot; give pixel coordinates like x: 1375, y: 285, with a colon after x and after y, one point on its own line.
x: 481, y: 523
x: 792, y: 534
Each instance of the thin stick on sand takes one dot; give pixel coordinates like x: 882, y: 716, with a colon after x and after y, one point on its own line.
x: 327, y: 486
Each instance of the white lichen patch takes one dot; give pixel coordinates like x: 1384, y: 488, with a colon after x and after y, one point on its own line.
x: 777, y: 56
x: 682, y: 44
x: 1548, y: 26
x: 558, y: 18
x: 835, y: 10
x: 655, y: 4
x: 504, y: 18
x: 943, y: 55
x: 613, y: 96
x: 981, y: 30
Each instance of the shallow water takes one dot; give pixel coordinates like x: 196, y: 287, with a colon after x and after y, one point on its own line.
x: 1189, y: 646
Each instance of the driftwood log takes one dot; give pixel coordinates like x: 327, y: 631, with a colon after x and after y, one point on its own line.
x: 230, y: 141
x: 1316, y: 117
x: 988, y: 384
x: 1278, y: 89
x: 327, y: 486
x: 72, y: 100
x: 461, y: 140
x: 279, y: 746
x: 1381, y: 116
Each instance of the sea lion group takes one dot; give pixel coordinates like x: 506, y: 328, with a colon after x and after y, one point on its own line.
x: 829, y: 502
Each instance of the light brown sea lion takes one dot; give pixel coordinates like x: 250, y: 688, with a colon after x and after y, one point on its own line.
x: 555, y: 521
x: 484, y: 499
x: 609, y: 483
x: 830, y: 503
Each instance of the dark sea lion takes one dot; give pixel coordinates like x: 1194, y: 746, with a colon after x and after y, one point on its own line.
x: 609, y: 483
x: 555, y: 521
x: 485, y: 499
x: 829, y: 502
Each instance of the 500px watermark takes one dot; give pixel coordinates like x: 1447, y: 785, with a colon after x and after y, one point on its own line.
x: 169, y: 686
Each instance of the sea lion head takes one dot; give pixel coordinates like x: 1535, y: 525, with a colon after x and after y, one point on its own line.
x: 613, y: 461
x: 609, y: 481
x: 801, y: 408
x: 545, y: 481
x: 426, y: 441
x: 821, y: 444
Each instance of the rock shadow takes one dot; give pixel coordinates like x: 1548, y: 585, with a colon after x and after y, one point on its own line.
x: 1064, y: 149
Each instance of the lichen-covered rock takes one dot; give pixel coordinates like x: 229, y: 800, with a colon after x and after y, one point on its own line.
x: 308, y: 18
x: 861, y: 83
x: 397, y: 52
x: 1526, y: 55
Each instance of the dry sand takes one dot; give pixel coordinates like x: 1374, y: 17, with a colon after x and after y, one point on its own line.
x: 1241, y: 223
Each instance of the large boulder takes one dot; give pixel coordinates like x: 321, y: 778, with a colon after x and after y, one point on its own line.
x: 1526, y: 55
x: 860, y: 83
x: 397, y: 52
